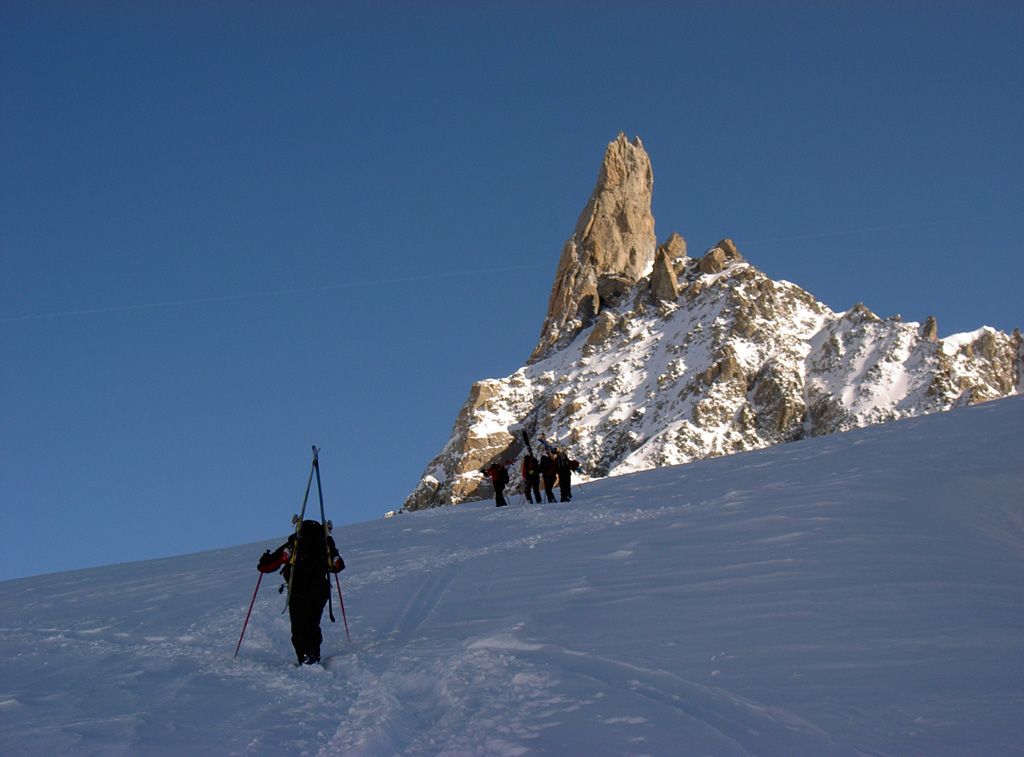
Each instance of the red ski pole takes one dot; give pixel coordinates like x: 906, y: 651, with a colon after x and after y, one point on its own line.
x: 244, y: 625
x: 341, y: 601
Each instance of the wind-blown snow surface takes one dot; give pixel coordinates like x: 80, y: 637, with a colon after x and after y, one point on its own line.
x: 860, y: 593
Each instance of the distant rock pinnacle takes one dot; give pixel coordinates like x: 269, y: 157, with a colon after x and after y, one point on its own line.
x: 612, y: 248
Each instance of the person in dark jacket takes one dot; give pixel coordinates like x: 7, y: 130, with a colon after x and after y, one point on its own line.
x: 549, y: 472
x: 531, y: 478
x: 307, y: 557
x: 564, y: 476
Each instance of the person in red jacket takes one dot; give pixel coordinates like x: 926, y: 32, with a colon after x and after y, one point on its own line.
x: 307, y: 557
x: 499, y: 478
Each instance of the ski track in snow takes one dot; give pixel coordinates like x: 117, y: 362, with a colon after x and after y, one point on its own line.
x: 853, y: 594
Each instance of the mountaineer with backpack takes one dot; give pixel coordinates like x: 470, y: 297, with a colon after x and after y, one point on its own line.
x: 565, y: 469
x: 531, y: 478
x: 549, y: 472
x: 308, y: 555
x: 499, y: 478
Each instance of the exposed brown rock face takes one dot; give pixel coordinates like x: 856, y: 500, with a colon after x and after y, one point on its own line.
x: 611, y: 249
x: 719, y: 257
x: 675, y: 248
x: 664, y: 285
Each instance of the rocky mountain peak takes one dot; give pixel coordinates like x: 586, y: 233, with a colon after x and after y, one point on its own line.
x: 611, y: 249
x: 649, y: 357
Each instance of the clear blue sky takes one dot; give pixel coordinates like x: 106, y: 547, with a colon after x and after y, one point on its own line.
x: 229, y: 231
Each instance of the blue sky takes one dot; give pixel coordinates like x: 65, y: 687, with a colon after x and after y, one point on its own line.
x: 230, y: 231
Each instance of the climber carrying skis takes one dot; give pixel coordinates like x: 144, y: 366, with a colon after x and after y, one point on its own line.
x: 549, y: 472
x: 308, y: 555
x: 498, y: 474
x: 531, y: 478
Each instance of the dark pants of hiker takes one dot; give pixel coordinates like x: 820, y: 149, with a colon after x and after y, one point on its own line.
x: 549, y: 488
x: 533, y: 489
x: 499, y: 496
x: 305, y: 610
x: 565, y: 487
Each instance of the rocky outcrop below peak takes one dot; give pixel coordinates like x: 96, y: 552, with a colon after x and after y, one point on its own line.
x: 664, y: 283
x: 720, y: 257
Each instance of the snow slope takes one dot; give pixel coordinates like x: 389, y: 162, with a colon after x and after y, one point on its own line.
x: 859, y: 593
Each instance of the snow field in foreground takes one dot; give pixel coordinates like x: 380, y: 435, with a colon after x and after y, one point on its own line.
x: 853, y: 594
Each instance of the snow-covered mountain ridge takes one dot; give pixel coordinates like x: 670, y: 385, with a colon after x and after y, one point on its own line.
x: 853, y: 594
x: 650, y: 357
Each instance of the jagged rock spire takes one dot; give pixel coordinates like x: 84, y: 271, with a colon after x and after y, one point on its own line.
x: 611, y: 249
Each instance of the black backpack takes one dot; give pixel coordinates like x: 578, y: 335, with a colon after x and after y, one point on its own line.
x: 310, y: 552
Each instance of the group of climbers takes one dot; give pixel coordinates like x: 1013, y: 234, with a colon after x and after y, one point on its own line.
x: 553, y: 467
